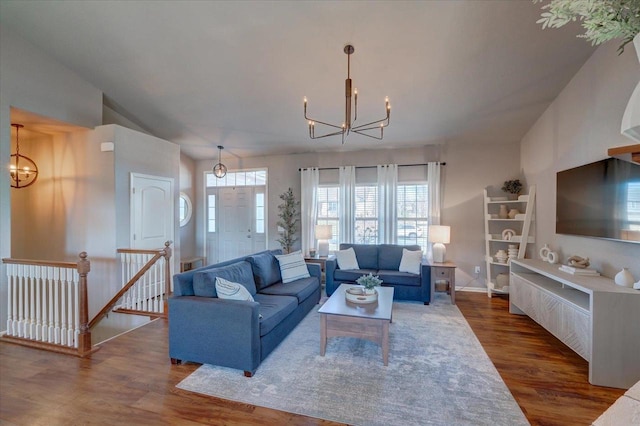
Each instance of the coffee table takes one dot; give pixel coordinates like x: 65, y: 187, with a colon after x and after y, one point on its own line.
x: 364, y: 321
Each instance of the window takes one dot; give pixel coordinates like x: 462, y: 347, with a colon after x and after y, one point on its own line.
x: 366, y: 214
x: 413, y: 213
x: 185, y: 209
x: 260, y: 213
x: 328, y: 202
x: 240, y: 178
x: 211, y: 213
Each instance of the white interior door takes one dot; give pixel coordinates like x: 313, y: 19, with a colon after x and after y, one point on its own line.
x: 232, y: 221
x: 152, y: 211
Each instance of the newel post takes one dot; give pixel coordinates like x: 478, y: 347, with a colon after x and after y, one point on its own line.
x: 84, y: 338
x: 167, y: 276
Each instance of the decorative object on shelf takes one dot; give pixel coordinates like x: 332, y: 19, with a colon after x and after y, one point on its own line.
x: 220, y: 170
x: 369, y: 282
x: 502, y: 281
x: 513, y: 213
x: 323, y: 234
x: 361, y: 295
x: 512, y: 187
x: 312, y: 252
x: 547, y: 255
x: 637, y: 285
x: 23, y: 170
x: 512, y: 252
x: 347, y: 126
x: 503, y: 213
x: 439, y: 235
x: 579, y: 271
x: 507, y: 234
x: 501, y: 256
x: 578, y: 262
x: 601, y: 20
x: 288, y: 214
x: 624, y: 278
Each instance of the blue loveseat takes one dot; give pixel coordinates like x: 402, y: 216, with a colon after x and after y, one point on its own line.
x: 382, y: 260
x: 231, y: 333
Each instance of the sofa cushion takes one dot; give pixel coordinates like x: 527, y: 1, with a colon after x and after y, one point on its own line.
x: 232, y: 291
x: 347, y: 259
x: 366, y: 254
x: 266, y: 269
x: 352, y: 275
x: 292, y: 266
x: 274, y: 309
x: 301, y: 289
x: 390, y: 255
x: 204, y: 283
x: 401, y: 278
x: 411, y: 261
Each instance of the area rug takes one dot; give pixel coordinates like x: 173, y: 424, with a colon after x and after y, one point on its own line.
x: 438, y: 374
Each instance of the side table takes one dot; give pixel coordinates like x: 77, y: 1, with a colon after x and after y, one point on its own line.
x: 321, y: 261
x: 445, y: 271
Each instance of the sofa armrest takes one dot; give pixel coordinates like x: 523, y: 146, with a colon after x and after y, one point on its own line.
x: 215, y: 331
x: 425, y: 282
x: 315, y: 270
x: 330, y: 267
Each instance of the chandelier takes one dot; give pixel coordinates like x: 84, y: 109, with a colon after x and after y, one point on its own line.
x: 23, y: 170
x: 373, y: 129
x: 220, y: 170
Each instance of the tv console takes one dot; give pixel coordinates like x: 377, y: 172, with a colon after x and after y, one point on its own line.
x: 592, y: 315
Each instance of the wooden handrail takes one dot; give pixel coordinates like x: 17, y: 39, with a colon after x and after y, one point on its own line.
x: 40, y: 262
x: 166, y: 253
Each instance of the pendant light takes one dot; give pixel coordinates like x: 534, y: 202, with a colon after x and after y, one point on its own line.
x: 220, y: 170
x: 22, y: 169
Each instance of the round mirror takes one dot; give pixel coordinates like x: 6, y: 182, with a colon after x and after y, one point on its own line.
x: 185, y: 209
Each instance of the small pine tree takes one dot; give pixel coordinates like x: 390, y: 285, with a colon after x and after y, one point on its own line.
x: 288, y: 220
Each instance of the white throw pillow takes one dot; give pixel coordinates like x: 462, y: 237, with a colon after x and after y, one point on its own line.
x: 347, y: 259
x: 292, y: 266
x: 411, y: 261
x: 232, y: 291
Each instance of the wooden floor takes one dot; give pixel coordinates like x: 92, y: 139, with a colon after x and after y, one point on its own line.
x: 130, y: 380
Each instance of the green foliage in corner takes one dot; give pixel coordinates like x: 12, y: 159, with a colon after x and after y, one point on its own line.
x: 512, y: 186
x: 289, y: 219
x: 602, y: 20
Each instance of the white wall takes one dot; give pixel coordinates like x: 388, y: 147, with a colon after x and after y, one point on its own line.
x: 578, y: 128
x: 470, y: 167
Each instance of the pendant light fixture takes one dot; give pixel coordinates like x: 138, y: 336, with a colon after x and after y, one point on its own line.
x: 22, y: 169
x: 220, y: 170
x: 348, y: 126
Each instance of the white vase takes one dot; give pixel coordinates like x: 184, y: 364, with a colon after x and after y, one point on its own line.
x: 503, y: 213
x: 624, y: 278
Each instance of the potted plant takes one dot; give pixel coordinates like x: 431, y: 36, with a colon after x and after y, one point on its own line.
x: 369, y: 282
x: 602, y: 20
x: 512, y: 187
x: 288, y: 214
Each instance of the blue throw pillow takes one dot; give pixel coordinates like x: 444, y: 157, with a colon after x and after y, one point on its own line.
x: 266, y: 269
x: 204, y: 283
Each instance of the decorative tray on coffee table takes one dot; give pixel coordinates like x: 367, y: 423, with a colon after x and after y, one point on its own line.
x: 357, y: 295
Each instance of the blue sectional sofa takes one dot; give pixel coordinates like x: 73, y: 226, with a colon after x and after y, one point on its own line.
x: 231, y: 333
x: 382, y: 260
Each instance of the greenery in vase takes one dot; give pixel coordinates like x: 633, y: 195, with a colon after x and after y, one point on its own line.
x: 602, y: 20
x: 288, y: 214
x: 512, y: 186
x: 369, y: 281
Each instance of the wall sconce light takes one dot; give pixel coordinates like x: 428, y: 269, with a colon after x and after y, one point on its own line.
x: 23, y: 170
x: 439, y: 235
x: 220, y: 170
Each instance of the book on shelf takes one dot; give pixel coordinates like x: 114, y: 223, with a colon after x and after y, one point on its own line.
x: 579, y: 271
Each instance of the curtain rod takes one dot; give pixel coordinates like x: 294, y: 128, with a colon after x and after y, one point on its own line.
x: 373, y: 167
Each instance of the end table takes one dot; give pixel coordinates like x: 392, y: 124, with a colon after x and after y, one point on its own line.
x: 445, y: 271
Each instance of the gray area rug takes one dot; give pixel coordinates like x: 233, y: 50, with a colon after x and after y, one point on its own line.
x: 438, y: 374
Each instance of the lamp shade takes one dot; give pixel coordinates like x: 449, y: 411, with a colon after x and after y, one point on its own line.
x: 324, y: 232
x: 439, y: 234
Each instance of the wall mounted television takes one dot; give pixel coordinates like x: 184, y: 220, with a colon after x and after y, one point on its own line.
x: 600, y: 200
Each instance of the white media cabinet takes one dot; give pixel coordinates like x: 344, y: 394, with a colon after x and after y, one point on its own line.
x: 592, y: 315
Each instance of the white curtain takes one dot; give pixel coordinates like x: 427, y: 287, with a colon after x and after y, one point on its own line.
x: 347, y: 214
x: 387, y: 204
x: 434, y: 185
x: 309, y: 180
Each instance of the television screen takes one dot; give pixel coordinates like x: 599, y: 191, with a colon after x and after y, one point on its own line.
x: 601, y: 200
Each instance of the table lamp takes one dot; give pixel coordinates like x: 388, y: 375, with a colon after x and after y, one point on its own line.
x: 323, y: 234
x: 439, y: 235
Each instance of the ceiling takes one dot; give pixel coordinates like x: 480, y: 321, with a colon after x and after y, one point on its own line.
x: 208, y: 73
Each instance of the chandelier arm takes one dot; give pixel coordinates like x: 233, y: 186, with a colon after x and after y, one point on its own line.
x: 327, y: 135
x: 360, y: 132
x: 385, y: 122
x: 326, y: 124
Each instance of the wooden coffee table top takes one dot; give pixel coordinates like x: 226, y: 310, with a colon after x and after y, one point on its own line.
x: 338, y: 305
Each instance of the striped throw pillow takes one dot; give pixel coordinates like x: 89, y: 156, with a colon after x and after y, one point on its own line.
x: 232, y: 291
x: 292, y: 266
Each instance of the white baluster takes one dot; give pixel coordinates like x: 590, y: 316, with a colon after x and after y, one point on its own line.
x: 21, y: 279
x: 76, y: 308
x: 39, y: 302
x: 63, y: 305
x: 11, y: 302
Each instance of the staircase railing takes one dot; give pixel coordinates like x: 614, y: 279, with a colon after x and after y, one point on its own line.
x: 47, y: 305
x: 147, y: 284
